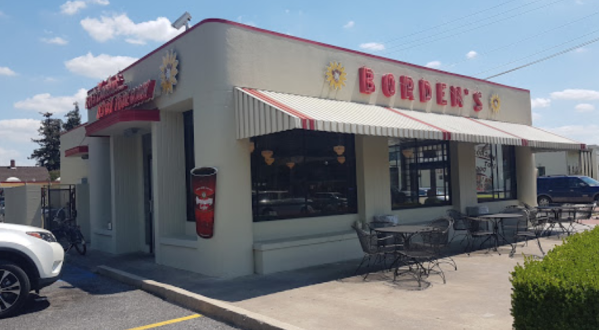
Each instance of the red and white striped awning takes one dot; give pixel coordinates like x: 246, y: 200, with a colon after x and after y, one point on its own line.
x: 261, y: 112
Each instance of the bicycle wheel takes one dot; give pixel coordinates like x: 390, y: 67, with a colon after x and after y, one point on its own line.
x: 79, y: 242
x: 62, y: 239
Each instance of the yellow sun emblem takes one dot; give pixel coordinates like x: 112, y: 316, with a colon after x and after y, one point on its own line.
x: 336, y: 75
x: 168, y: 72
x: 495, y: 103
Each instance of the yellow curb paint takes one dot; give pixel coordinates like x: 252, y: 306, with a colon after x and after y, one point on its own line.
x: 159, y: 324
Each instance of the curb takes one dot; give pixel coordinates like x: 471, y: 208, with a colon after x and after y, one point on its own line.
x: 206, y: 306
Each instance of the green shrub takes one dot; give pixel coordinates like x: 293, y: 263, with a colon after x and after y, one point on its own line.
x: 562, y: 290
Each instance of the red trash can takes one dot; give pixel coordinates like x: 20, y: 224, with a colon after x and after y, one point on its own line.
x: 203, y: 185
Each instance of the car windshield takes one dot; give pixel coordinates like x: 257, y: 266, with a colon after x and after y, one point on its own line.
x: 589, y: 181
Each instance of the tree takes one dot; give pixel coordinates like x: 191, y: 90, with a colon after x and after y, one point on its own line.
x: 73, y: 118
x: 48, y: 154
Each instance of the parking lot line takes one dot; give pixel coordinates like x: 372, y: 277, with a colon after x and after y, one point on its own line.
x: 159, y: 324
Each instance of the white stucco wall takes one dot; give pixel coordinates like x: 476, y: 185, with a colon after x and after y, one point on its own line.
x: 23, y: 205
x: 73, y: 169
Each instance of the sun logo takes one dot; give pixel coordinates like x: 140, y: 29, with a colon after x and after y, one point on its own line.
x: 336, y: 75
x: 495, y: 103
x: 168, y: 72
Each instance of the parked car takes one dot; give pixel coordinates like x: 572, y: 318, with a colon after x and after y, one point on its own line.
x: 328, y: 202
x: 567, y: 189
x: 275, y: 203
x: 30, y: 259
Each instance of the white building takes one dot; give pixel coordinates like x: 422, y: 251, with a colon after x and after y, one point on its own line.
x: 308, y: 138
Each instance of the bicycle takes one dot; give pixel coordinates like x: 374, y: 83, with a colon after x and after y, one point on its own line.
x: 68, y: 234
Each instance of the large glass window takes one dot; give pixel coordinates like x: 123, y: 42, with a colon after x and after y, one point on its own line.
x: 302, y: 173
x: 495, y: 172
x: 189, y: 161
x: 419, y: 172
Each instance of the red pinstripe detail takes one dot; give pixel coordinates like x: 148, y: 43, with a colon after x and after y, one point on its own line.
x: 285, y: 36
x: 307, y: 121
x: 524, y: 141
x: 446, y: 134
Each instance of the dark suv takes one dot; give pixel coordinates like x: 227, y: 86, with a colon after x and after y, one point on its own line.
x: 567, y: 189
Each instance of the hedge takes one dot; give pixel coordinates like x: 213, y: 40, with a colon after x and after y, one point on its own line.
x: 561, y: 291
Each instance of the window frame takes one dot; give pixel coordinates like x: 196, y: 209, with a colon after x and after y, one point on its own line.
x: 350, y: 163
x: 495, y: 173
x: 189, y: 151
x: 418, y: 144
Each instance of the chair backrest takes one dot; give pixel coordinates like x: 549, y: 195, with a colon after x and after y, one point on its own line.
x: 585, y: 212
x: 458, y: 219
x: 439, y: 236
x: 367, y: 241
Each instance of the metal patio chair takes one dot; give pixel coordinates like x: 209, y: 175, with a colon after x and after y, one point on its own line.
x: 422, y: 255
x: 373, y: 246
x: 458, y: 225
x: 531, y: 226
x: 476, y: 231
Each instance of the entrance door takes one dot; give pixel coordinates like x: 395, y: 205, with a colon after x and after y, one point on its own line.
x: 148, y: 199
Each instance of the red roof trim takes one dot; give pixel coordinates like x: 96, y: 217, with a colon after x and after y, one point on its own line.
x: 446, y: 134
x: 524, y: 141
x: 72, y: 129
x: 247, y: 27
x: 76, y: 151
x: 122, y: 116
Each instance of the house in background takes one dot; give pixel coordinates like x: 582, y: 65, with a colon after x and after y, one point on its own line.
x: 571, y: 162
x: 12, y: 175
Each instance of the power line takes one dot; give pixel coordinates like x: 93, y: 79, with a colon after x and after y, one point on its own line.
x: 539, y: 52
x: 544, y: 58
x: 452, y: 21
x: 529, y: 38
x: 472, y: 29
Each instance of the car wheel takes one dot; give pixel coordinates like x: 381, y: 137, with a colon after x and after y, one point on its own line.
x: 544, y: 200
x: 14, y: 288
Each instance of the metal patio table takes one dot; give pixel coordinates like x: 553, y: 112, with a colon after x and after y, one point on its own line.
x: 558, y: 211
x: 496, y: 219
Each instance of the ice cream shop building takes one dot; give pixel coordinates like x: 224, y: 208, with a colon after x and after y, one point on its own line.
x: 233, y: 150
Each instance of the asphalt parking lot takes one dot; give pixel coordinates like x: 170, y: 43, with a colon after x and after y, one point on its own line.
x: 84, y: 300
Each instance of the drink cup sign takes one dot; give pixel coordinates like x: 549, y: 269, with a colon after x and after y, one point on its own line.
x: 203, y: 185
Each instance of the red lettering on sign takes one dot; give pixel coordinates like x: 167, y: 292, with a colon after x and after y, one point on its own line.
x: 407, y: 87
x: 388, y: 85
x: 441, y: 93
x: 456, y: 96
x: 478, y: 104
x: 128, y: 99
x: 366, y: 80
x: 426, y: 91
x: 104, y: 90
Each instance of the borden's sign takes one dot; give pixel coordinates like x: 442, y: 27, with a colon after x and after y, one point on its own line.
x: 127, y: 99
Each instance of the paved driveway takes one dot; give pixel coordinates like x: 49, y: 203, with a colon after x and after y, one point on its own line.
x: 83, y: 300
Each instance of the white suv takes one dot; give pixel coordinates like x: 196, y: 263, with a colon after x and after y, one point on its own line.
x: 30, y: 259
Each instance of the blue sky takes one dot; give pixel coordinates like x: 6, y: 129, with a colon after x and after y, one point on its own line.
x: 53, y: 51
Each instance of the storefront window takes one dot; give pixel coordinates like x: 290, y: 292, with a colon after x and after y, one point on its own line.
x: 189, y: 161
x: 299, y: 173
x: 419, y: 171
x: 495, y: 172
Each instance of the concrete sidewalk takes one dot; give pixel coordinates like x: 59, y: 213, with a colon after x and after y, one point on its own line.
x: 476, y: 296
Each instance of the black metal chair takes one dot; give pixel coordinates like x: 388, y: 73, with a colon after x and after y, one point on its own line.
x: 373, y: 246
x: 422, y: 256
x: 476, y: 231
x: 584, y: 212
x: 531, y: 226
x: 458, y: 225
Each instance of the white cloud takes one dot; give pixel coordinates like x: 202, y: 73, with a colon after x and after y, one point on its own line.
x: 584, y: 107
x: 576, y: 94
x: 471, y: 55
x: 6, y: 71
x: 18, y: 130
x: 580, y: 50
x: 55, y: 41
x: 374, y: 46
x: 433, y: 64
x: 540, y: 103
x: 582, y: 133
x: 536, y: 116
x: 107, y: 28
x: 54, y: 104
x: 349, y: 25
x: 286, y: 11
x: 72, y: 7
x: 6, y: 155
x: 100, y: 2
x: 98, y: 67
